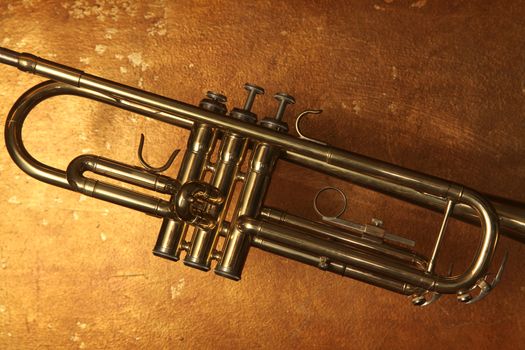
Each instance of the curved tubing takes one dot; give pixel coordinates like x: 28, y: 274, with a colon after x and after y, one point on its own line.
x: 39, y: 93
x: 118, y: 195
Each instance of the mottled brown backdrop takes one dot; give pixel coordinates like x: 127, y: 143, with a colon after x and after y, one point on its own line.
x: 437, y: 86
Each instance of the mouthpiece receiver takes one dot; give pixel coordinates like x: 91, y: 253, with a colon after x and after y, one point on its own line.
x: 9, y: 57
x: 35, y: 65
x: 23, y: 61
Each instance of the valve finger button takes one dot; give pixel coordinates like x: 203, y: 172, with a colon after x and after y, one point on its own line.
x: 253, y: 90
x: 245, y: 113
x: 284, y: 100
x: 276, y: 122
x: 214, y: 102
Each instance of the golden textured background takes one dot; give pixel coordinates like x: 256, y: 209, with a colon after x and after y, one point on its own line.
x: 431, y: 85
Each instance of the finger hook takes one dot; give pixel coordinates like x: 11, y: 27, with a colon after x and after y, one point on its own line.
x: 298, y: 125
x: 149, y: 167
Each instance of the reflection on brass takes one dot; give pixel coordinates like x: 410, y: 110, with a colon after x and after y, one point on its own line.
x: 194, y: 216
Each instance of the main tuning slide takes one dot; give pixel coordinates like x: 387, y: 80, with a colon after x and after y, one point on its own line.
x: 194, y: 223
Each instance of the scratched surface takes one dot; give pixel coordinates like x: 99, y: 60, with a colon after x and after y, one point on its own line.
x: 431, y: 85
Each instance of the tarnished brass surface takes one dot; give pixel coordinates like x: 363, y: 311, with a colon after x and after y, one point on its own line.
x: 434, y: 87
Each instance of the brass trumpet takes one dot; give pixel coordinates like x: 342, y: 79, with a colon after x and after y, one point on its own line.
x: 193, y: 219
